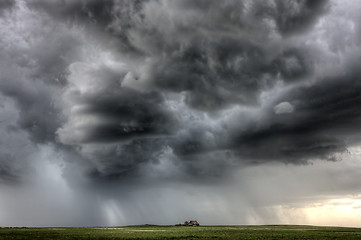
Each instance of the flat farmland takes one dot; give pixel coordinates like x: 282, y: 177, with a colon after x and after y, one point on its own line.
x: 181, y: 232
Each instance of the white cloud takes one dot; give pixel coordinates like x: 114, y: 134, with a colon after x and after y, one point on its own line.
x: 283, y: 108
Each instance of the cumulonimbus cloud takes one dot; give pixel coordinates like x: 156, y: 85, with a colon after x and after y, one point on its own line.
x: 121, y: 83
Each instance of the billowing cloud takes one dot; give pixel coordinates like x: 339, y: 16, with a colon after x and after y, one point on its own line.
x: 152, y: 85
x: 219, y: 53
x: 146, y: 92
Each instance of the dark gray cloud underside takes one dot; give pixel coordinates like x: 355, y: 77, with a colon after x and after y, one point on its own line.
x: 6, y: 5
x: 9, y: 174
x: 98, y: 12
x: 213, y: 56
x: 126, y: 113
x: 326, y: 120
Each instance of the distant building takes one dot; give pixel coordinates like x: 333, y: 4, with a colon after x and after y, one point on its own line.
x: 190, y: 223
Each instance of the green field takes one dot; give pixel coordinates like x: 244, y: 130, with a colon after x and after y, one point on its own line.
x: 172, y: 232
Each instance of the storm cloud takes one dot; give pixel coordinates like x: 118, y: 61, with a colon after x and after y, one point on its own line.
x: 125, y: 94
x: 109, y: 106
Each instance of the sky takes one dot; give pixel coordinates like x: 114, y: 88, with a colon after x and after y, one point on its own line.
x: 120, y: 112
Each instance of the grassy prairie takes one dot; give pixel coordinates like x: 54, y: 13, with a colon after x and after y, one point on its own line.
x: 173, y: 232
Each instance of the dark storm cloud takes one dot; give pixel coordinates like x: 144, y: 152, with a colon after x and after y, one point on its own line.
x: 123, y: 113
x: 15, y: 148
x: 124, y: 160
x: 6, y: 5
x: 220, y: 53
x: 218, y: 72
x: 98, y: 12
x: 117, y: 129
x: 296, y: 16
x: 33, y: 70
x: 32, y: 76
x: 329, y: 104
x: 8, y: 173
x: 111, y: 99
x: 108, y: 16
x: 325, y: 121
x: 130, y: 129
x: 38, y: 115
